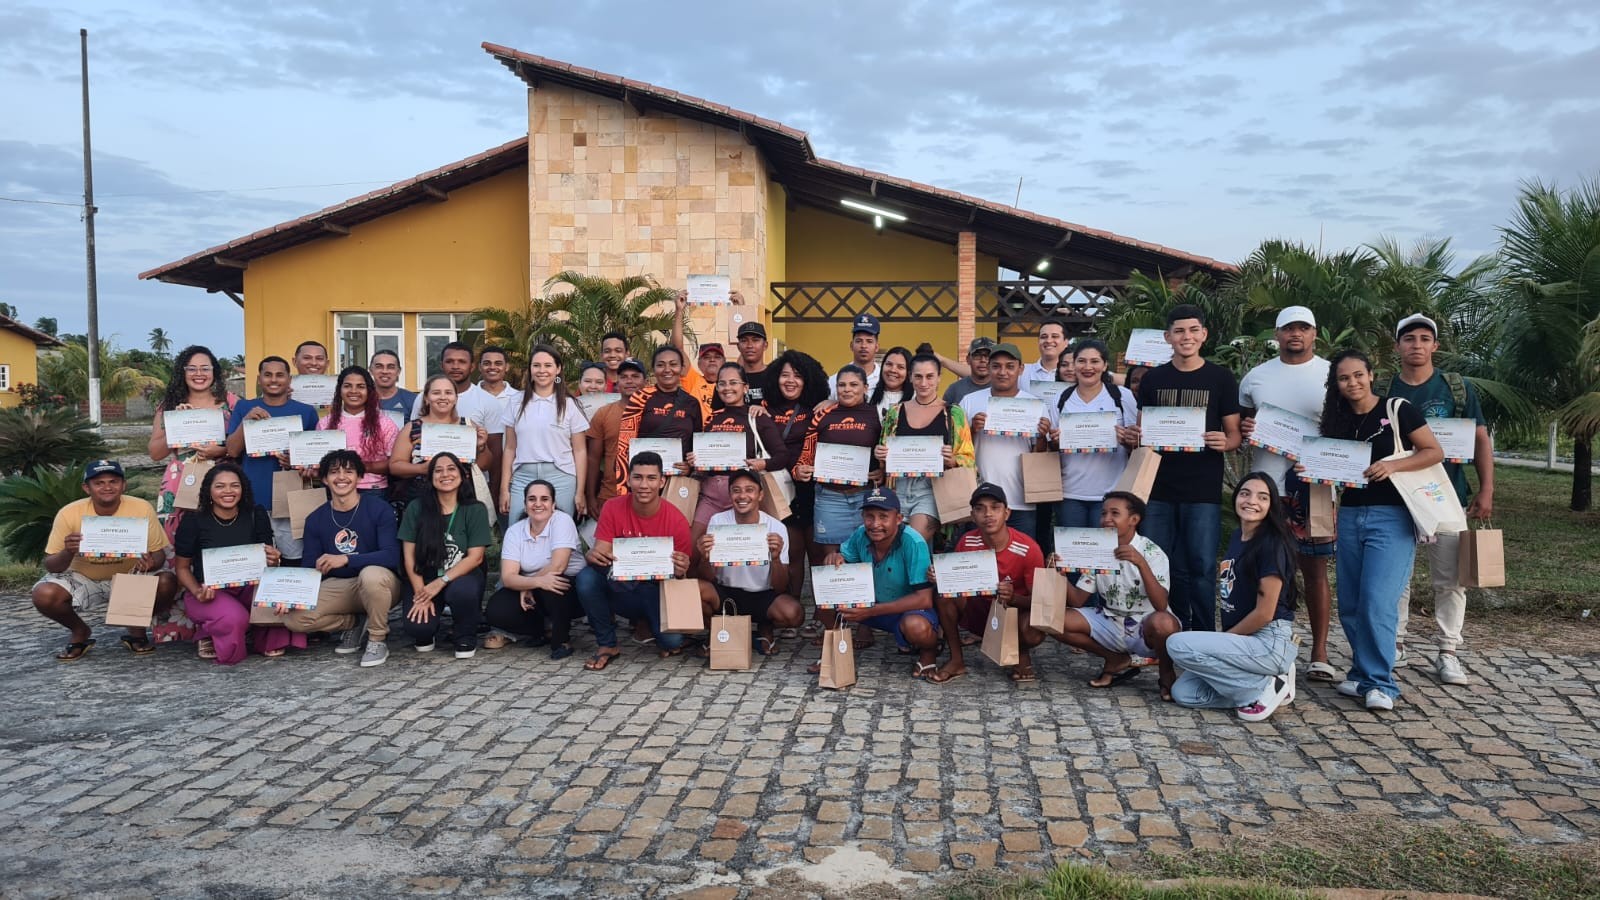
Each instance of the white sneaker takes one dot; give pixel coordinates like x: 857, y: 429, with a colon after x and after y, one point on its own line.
x: 1448, y: 669
x: 1400, y: 659
x: 376, y: 653
x: 1377, y: 699
x: 1349, y: 688
x: 1280, y: 692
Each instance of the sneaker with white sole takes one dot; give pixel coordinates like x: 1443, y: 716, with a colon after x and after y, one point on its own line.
x: 1377, y: 699
x: 350, y: 642
x: 1349, y: 688
x: 424, y: 647
x: 377, y: 652
x: 1280, y: 692
x: 466, y: 649
x: 1448, y: 669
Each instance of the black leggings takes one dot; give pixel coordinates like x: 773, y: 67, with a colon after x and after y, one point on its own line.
x: 464, y: 597
x: 506, y: 613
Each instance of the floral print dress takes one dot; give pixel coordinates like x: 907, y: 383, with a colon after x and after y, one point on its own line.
x: 174, y: 625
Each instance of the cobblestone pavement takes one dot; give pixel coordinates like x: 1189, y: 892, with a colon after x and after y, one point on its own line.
x: 508, y: 773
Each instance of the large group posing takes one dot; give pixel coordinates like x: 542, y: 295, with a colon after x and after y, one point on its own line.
x: 556, y: 473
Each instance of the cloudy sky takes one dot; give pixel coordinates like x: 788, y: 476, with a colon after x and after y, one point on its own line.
x: 1203, y: 126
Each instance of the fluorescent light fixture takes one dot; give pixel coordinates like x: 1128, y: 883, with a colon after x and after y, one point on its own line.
x: 875, y: 210
x: 1043, y: 266
x: 877, y: 222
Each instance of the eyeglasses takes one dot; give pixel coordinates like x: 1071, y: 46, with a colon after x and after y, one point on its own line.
x: 197, y: 370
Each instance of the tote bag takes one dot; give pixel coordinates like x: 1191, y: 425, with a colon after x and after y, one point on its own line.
x: 1427, y: 493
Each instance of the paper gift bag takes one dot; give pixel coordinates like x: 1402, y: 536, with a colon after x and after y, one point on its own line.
x: 838, y: 659
x: 1000, y: 635
x: 133, y: 600
x: 1049, y: 610
x: 1139, y: 476
x: 1041, y: 477
x: 952, y: 491
x: 302, y: 504
x: 194, y: 472
x: 1482, y: 560
x: 774, y: 501
x: 284, y: 481
x: 680, y: 607
x: 1322, y: 519
x: 730, y: 642
x: 265, y: 615
x: 683, y: 492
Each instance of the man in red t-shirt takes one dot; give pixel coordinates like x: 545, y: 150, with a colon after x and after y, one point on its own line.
x: 639, y: 513
x: 1016, y: 556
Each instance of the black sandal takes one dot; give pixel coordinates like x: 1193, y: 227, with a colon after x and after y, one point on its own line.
x: 138, y: 646
x: 1116, y: 677
x: 75, y: 651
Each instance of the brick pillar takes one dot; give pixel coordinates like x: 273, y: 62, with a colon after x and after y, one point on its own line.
x: 966, y: 291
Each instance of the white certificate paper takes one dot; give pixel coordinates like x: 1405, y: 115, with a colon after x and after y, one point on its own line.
x: 847, y: 586
x: 739, y: 545
x: 307, y: 448
x: 841, y: 464
x: 462, y: 440
x: 234, y: 566
x: 289, y: 586
x: 591, y: 403
x: 1014, y: 416
x: 1281, y: 431
x: 670, y: 449
x: 1148, y: 347
x: 719, y: 451
x: 641, y: 559
x: 264, y: 437
x: 1089, y: 432
x: 915, y: 454
x: 114, y: 537
x: 1090, y: 551
x: 966, y: 574
x: 1332, y: 461
x: 1049, y: 391
x: 709, y: 290
x: 1458, y: 438
x: 192, y: 427
x: 317, y: 390
x: 1180, y: 429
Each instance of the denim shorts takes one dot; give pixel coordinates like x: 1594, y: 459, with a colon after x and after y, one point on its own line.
x: 916, y: 496
x: 837, y: 514
x: 891, y: 623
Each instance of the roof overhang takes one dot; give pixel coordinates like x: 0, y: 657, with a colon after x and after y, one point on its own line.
x: 39, y: 338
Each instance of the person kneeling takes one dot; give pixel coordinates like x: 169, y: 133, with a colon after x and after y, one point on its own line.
x: 442, y: 539
x: 542, y: 574
x: 757, y: 591
x: 1249, y: 666
x: 1016, y: 557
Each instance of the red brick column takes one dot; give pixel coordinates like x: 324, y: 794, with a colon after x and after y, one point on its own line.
x: 966, y: 291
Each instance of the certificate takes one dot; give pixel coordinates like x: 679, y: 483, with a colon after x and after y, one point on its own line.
x: 462, y: 440
x: 1332, y: 461
x: 1281, y: 431
x: 397, y: 417
x: 739, y: 545
x: 264, y: 437
x: 307, y: 448
x: 720, y: 451
x: 641, y: 559
x: 708, y: 290
x: 193, y: 427
x: 915, y: 454
x: 966, y: 574
x: 233, y: 566
x: 1148, y: 347
x: 841, y: 464
x: 1090, y: 551
x: 1180, y: 429
x: 1013, y: 416
x: 1049, y: 391
x: 670, y: 450
x: 114, y: 537
x: 1458, y: 438
x: 317, y: 390
x: 289, y: 586
x: 1089, y: 432
x: 847, y: 586
x: 591, y: 403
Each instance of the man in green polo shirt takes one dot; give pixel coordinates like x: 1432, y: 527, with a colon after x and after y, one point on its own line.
x: 900, y: 563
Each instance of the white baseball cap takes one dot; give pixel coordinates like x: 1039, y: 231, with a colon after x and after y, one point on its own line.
x: 1415, y: 319
x: 1296, y: 314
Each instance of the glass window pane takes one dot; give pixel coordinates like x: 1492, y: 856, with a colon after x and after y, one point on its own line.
x: 436, y: 321
x: 352, y: 320
x: 382, y: 341
x: 388, y: 320
x: 352, y: 348
x: 432, y: 346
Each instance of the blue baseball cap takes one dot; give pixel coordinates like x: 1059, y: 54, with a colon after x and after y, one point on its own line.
x: 881, y: 498
x: 102, y: 467
x: 867, y: 323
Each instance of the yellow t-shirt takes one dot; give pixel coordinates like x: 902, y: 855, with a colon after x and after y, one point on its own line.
x: 698, y: 387
x: 70, y: 521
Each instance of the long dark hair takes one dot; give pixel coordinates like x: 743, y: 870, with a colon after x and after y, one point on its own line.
x: 560, y: 386
x: 429, y: 556
x: 247, y: 499
x: 178, y: 386
x: 882, y: 386
x: 742, y: 377
x: 1338, y: 419
x: 1273, y: 541
x: 371, y: 427
x: 814, y: 381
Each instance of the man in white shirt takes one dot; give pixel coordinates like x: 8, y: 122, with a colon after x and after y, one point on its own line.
x: 492, y: 368
x: 472, y: 402
x: 863, y: 352
x: 1052, y: 341
x: 1295, y: 381
x: 999, y: 456
x: 757, y: 591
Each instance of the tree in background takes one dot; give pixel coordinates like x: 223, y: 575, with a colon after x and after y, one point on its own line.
x: 8, y: 310
x: 160, y: 342
x: 47, y: 324
x: 66, y: 372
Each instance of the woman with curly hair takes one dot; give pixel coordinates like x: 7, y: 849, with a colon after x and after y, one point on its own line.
x: 196, y: 383
x: 799, y: 386
x: 367, y: 431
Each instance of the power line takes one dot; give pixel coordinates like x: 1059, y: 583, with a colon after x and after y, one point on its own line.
x: 44, y: 202
x: 279, y: 187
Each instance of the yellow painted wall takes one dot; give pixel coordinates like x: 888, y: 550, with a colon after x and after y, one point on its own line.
x: 22, y: 355
x: 452, y: 256
x: 777, y: 228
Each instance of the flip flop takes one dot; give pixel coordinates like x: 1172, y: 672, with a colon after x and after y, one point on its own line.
x: 943, y: 677
x: 767, y: 646
x: 1321, y: 671
x: 923, y: 670
x: 1020, y: 677
x: 138, y: 646
x: 1116, y: 677
x: 599, y: 661
x: 75, y: 651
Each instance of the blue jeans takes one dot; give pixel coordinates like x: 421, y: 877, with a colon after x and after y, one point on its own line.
x: 566, y: 485
x: 1188, y: 533
x: 1078, y: 513
x: 603, y: 599
x: 1025, y: 521
x: 1377, y: 545
x: 1227, y: 671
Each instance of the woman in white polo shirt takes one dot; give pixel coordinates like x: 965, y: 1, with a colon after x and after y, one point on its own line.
x: 544, y: 438
x: 542, y: 574
x: 1087, y: 477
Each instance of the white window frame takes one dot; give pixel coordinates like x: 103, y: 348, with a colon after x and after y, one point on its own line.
x: 5, y: 377
x: 429, y: 363
x: 398, y: 333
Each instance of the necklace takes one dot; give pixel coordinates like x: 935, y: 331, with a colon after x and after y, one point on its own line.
x: 334, y: 515
x: 929, y: 403
x: 222, y: 521
x: 1363, y: 424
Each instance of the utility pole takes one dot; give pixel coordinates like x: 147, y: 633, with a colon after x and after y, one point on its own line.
x: 88, y: 239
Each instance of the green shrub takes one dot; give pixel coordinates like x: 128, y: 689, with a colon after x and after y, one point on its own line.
x: 28, y: 506
x: 32, y: 439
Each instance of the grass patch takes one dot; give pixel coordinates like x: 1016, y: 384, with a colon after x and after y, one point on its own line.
x: 18, y: 578
x: 1552, y: 553
x: 1080, y: 881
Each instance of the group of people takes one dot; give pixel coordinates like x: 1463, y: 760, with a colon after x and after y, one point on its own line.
x: 559, y: 475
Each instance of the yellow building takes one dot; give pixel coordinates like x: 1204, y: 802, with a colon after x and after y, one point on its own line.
x: 618, y: 177
x: 19, y: 357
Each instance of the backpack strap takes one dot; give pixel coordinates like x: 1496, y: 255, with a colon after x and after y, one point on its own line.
x: 1458, y: 391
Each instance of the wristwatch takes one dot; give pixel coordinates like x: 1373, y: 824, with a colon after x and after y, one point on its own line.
x: 444, y: 577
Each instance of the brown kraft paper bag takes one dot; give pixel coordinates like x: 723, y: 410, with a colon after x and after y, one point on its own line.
x: 1322, y: 519
x: 680, y: 607
x: 1482, y: 559
x: 194, y: 472
x: 266, y: 615
x: 773, y: 502
x: 952, y: 492
x: 1000, y: 634
x: 1139, y: 476
x: 133, y: 600
x: 838, y: 659
x: 284, y: 482
x: 730, y: 641
x: 302, y: 504
x: 1041, y: 477
x: 1048, y: 612
x: 683, y: 492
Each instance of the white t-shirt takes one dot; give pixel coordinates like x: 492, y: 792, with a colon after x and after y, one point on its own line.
x: 1298, y: 389
x: 890, y: 399
x: 1000, y: 456
x: 540, y: 437
x: 1122, y: 593
x: 473, y: 404
x: 872, y: 382
x: 533, y: 553
x: 1088, y: 476
x: 498, y: 404
x: 750, y: 578
x: 1035, y: 371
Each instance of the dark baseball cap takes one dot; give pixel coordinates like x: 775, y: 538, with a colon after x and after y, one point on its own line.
x: 631, y: 363
x: 749, y: 328
x: 712, y: 348
x: 990, y: 490
x: 102, y: 467
x: 867, y: 323
x: 1009, y: 349
x: 881, y: 498
x: 980, y: 345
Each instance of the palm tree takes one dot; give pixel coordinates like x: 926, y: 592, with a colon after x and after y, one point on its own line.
x: 160, y: 343
x: 1146, y: 299
x: 1550, y: 265
x: 66, y: 372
